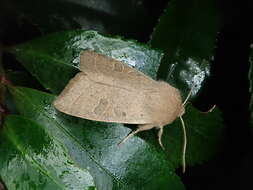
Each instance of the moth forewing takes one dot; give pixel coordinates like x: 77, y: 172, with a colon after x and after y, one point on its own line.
x: 111, y: 91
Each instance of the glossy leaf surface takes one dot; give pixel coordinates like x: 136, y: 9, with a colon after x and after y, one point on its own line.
x: 54, y: 59
x: 31, y: 158
x: 187, y: 32
x: 136, y: 164
x: 140, y: 162
x: 148, y: 63
x: 141, y: 57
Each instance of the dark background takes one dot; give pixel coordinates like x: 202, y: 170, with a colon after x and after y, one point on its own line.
x: 228, y: 86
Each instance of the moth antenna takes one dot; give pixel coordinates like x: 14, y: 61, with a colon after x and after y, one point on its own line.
x: 188, y: 96
x: 184, y: 144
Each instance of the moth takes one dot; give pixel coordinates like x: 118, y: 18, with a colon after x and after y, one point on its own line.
x: 111, y: 91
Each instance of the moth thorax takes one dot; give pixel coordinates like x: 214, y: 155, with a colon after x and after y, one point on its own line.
x: 172, y: 102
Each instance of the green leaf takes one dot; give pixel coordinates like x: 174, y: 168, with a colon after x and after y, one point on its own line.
x: 33, y: 54
x: 135, y: 165
x: 54, y: 59
x: 22, y: 78
x: 187, y: 33
x: 31, y: 158
x: 204, y: 136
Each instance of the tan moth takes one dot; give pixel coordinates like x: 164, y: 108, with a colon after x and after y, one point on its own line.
x: 111, y: 91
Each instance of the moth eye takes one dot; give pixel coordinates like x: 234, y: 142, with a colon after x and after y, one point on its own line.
x: 99, y: 109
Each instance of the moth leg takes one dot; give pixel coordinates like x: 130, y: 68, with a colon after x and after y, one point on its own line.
x: 140, y: 128
x: 160, y: 133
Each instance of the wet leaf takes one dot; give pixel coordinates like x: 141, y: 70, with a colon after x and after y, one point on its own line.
x: 31, y: 158
x: 54, y: 59
x: 93, y: 145
x: 187, y: 32
x: 139, y: 163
